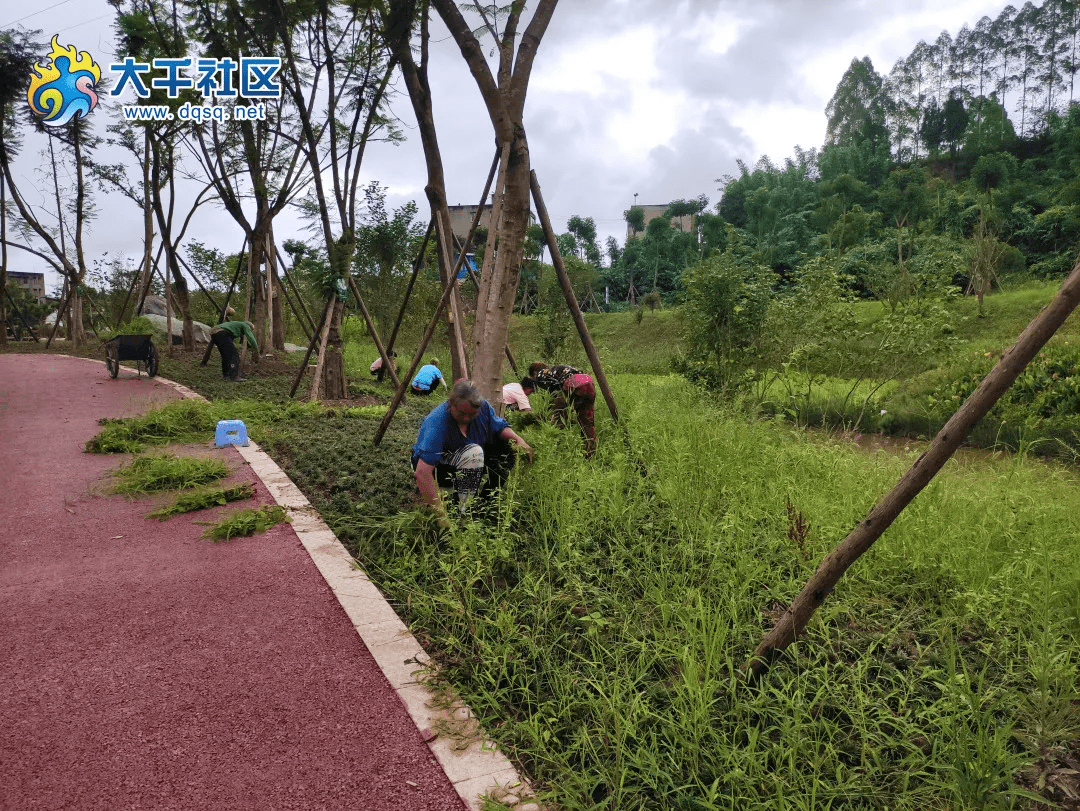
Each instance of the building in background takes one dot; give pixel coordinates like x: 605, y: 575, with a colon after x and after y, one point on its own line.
x: 685, y: 223
x: 32, y: 283
x: 461, y: 218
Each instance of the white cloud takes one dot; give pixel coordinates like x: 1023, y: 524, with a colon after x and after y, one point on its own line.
x: 658, y: 97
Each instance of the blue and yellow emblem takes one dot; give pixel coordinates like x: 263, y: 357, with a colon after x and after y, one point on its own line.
x: 63, y: 88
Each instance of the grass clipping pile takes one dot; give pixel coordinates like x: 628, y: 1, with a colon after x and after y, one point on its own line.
x: 156, y: 473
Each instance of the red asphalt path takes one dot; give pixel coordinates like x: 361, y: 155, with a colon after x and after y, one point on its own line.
x: 142, y: 666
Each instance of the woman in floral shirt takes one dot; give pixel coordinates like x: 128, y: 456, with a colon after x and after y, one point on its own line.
x: 570, y: 387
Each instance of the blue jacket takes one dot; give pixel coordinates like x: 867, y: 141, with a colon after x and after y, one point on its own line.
x: 439, y: 433
x: 426, y: 377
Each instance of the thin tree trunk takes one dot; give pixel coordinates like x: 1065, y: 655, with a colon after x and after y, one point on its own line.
x: 948, y: 439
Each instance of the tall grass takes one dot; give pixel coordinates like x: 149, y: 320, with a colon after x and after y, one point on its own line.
x: 598, y: 625
x: 598, y: 622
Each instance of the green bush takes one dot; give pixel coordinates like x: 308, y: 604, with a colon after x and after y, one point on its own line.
x: 725, y: 305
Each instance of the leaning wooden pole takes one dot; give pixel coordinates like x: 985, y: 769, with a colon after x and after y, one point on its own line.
x: 409, y: 288
x: 311, y: 347
x: 18, y: 311
x: 571, y: 299
x: 443, y: 236
x: 63, y: 304
x: 374, y: 333
x: 324, y: 339
x: 948, y: 439
x: 399, y: 392
x: 228, y: 296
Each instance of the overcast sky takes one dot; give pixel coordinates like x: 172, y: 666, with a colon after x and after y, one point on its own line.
x: 656, y: 98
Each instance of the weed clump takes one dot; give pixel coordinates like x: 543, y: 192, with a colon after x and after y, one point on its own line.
x: 191, y: 502
x: 151, y: 474
x: 247, y: 522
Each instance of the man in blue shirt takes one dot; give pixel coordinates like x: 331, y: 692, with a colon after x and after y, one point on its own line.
x: 459, y: 441
x: 427, y: 379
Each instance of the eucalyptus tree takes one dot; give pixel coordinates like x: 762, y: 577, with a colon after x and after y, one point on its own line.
x: 858, y: 108
x: 1052, y: 30
x: 902, y: 133
x: 940, y: 65
x: 1025, y: 37
x: 963, y: 61
x: 985, y: 61
x: 1002, y: 43
x: 1070, y: 63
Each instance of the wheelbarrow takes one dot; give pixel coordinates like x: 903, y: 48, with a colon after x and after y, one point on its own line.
x: 139, y: 348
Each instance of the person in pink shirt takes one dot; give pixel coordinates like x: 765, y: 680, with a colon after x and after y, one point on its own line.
x: 515, y: 398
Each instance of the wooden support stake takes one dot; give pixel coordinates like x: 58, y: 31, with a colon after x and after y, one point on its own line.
x: 311, y: 348
x: 324, y: 339
x: 399, y: 392
x: 388, y: 365
x: 225, y: 306
x: 19, y: 312
x: 948, y: 439
x: 408, y: 290
x: 60, y: 309
x: 460, y: 358
x: 571, y: 299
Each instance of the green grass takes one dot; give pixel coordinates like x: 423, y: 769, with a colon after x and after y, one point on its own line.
x: 152, y: 474
x: 251, y: 521
x: 598, y: 628
x: 192, y: 502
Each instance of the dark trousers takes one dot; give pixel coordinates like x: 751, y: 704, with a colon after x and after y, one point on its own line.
x: 499, y: 460
x: 230, y: 358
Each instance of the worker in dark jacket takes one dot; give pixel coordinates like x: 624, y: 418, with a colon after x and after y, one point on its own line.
x: 223, y: 336
x: 570, y: 387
